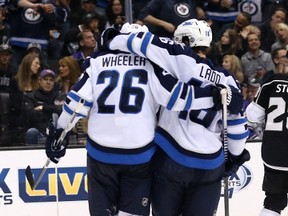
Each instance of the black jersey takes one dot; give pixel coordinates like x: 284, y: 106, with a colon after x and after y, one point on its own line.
x: 270, y: 105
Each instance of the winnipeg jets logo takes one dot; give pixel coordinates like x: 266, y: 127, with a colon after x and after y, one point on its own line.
x: 165, y: 73
x: 182, y: 9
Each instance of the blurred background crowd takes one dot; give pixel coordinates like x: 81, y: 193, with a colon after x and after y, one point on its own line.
x: 43, y: 46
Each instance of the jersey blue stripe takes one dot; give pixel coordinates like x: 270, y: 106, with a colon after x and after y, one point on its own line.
x: 189, y: 100
x: 238, y: 136
x: 129, y: 43
x: 69, y: 111
x: 130, y: 159
x: 174, y: 96
x: 186, y: 160
x: 145, y: 42
x: 77, y: 98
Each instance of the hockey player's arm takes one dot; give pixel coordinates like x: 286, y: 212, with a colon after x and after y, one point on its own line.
x: 176, y: 95
x: 175, y: 58
x: 77, y: 105
x: 237, y: 135
x: 81, y: 92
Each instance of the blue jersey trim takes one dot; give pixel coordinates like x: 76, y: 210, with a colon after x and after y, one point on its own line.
x: 145, y: 42
x: 77, y: 98
x: 186, y: 160
x: 69, y: 111
x: 129, y: 43
x: 238, y: 136
x: 128, y: 159
x: 189, y: 101
x: 174, y: 96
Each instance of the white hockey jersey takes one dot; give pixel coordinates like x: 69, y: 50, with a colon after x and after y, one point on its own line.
x: 193, y: 138
x: 122, y: 93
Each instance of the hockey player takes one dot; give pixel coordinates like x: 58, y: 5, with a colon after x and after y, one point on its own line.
x: 121, y: 93
x: 270, y: 107
x: 189, y: 170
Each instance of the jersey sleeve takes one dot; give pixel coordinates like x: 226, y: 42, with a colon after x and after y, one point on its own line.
x: 255, y: 111
x: 176, y: 95
x: 178, y: 59
x: 174, y: 58
x: 237, y: 133
x: 77, y: 104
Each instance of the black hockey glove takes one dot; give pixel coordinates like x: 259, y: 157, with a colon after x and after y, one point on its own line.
x: 54, y: 150
x: 106, y: 36
x: 234, y: 98
x: 234, y: 162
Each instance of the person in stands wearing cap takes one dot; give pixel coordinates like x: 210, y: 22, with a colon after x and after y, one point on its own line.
x: 35, y: 48
x: 91, y: 21
x: 84, y: 7
x: 7, y: 71
x: 39, y: 106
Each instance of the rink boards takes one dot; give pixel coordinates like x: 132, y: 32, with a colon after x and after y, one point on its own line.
x: 69, y: 182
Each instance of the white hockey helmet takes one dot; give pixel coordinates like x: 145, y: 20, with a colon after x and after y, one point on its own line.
x: 198, y: 32
x: 134, y: 28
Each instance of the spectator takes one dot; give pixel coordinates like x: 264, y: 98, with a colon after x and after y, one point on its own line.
x: 7, y: 72
x: 280, y: 60
x: 242, y: 20
x: 25, y: 81
x: 255, y: 129
x: 35, y: 48
x: 4, y: 29
x: 221, y: 13
x: 39, y: 106
x: 230, y: 43
x: 92, y: 22
x: 87, y: 44
x: 255, y: 62
x: 28, y: 25
x: 84, y: 7
x: 252, y: 89
x: 268, y: 7
x: 69, y: 72
x: 163, y: 16
x: 57, y: 33
x: 268, y: 27
x: 233, y: 64
x: 281, y: 32
x: 115, y: 14
x: 27, y: 75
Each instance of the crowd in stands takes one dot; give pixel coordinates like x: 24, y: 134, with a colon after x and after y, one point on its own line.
x: 43, y: 45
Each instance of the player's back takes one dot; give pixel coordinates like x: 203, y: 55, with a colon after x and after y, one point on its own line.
x: 124, y: 111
